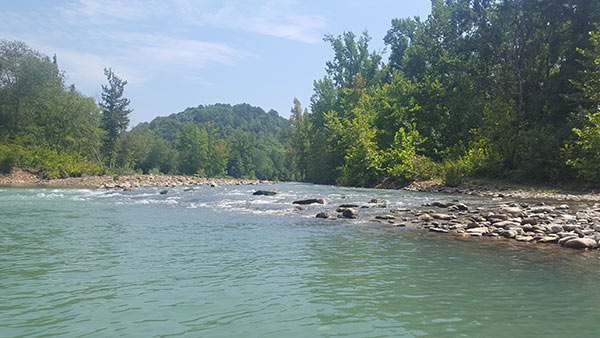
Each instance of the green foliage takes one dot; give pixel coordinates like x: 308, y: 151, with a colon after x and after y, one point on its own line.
x: 239, y: 141
x: 115, y: 111
x: 402, y: 163
x: 52, y: 163
x: 584, y: 154
x: 44, y: 124
x: 586, y: 159
x: 454, y: 172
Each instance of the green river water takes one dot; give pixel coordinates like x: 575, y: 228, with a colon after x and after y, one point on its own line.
x: 219, y: 262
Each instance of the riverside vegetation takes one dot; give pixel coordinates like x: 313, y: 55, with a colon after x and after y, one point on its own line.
x: 480, y: 88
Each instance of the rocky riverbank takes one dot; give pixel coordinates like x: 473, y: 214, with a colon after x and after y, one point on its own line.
x: 24, y: 177
x: 571, y: 226
x: 499, y: 192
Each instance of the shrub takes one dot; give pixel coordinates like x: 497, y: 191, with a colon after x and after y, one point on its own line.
x: 52, y: 163
x: 454, y: 172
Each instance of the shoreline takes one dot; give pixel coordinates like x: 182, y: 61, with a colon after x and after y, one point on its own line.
x: 29, y: 178
x: 575, y: 226
x: 493, y: 191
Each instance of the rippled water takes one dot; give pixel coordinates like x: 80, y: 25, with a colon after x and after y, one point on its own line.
x: 219, y: 262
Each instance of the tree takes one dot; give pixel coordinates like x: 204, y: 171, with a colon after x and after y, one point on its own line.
x: 300, y: 137
x: 115, y: 111
x: 585, y: 153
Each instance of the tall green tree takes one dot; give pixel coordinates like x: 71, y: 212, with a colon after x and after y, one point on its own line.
x: 300, y: 137
x: 115, y: 113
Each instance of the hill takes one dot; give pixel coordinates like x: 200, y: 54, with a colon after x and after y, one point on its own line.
x: 214, y: 140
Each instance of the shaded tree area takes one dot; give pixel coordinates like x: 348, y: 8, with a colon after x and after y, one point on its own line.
x: 44, y: 123
x: 479, y: 88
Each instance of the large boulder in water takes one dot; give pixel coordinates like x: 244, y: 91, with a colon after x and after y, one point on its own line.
x: 581, y: 243
x: 350, y: 213
x: 310, y: 201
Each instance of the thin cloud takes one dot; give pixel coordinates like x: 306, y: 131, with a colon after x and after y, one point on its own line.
x: 188, y: 53
x: 280, y: 19
x: 103, y: 11
x: 272, y: 19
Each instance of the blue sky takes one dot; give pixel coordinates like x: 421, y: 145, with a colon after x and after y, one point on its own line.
x: 182, y: 53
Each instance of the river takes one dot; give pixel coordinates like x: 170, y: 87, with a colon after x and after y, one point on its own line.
x: 220, y: 262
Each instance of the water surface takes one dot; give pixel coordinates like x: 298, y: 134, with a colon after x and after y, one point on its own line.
x: 219, y: 262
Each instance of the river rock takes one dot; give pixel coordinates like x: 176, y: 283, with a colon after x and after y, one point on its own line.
x: 522, y: 238
x: 440, y: 204
x: 508, y: 233
x: 581, y: 243
x: 506, y: 224
x: 569, y: 218
x: 323, y: 214
x: 399, y: 210
x: 515, y: 211
x: 570, y: 227
x: 350, y: 213
x: 530, y: 220
x: 265, y: 193
x: 458, y: 207
x: 478, y: 231
x: 549, y: 239
x: 565, y: 239
x: 444, y: 217
x: 164, y: 192
x: 310, y: 201
x: 496, y: 217
x: 542, y: 209
x: 385, y: 217
x: 345, y: 206
x: 555, y: 228
x: 441, y: 230
x: 425, y: 218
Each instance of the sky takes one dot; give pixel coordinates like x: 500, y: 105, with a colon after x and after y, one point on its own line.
x: 184, y: 53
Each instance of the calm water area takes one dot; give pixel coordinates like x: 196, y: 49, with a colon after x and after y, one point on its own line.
x: 219, y: 262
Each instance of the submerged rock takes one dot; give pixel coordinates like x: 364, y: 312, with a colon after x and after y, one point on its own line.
x: 345, y: 206
x: 310, y: 201
x: 265, y: 193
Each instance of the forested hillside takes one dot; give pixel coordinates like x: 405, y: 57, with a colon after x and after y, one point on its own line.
x: 214, y: 140
x: 480, y: 88
x: 504, y: 89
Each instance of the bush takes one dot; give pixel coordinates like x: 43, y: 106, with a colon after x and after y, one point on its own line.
x: 585, y: 155
x: 7, y: 160
x: 52, y: 163
x: 454, y: 172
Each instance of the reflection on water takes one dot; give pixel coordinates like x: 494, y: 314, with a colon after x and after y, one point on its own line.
x: 221, y: 262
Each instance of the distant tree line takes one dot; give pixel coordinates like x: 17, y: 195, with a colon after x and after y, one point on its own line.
x: 504, y: 89
x: 49, y: 126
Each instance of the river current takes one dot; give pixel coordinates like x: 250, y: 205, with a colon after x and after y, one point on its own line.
x: 220, y: 262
